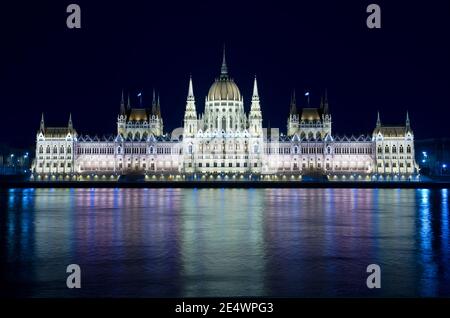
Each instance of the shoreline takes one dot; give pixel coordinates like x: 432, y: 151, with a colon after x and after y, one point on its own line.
x: 227, y: 184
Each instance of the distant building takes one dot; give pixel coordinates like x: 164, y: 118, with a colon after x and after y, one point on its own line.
x: 433, y: 156
x: 224, y: 140
x: 14, y: 161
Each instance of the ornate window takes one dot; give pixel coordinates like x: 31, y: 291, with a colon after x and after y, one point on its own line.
x: 224, y: 123
x: 408, y: 149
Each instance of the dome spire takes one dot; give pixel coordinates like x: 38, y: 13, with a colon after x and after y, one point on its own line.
x: 224, y: 69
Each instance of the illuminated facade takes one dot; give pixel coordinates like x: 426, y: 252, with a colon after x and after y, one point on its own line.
x: 225, y: 142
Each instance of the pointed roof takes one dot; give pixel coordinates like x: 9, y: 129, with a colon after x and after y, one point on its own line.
x: 154, y: 103
x: 378, y: 119
x: 70, y: 125
x: 122, y: 104
x: 191, y: 89
x: 129, y: 102
x: 158, y: 107
x: 255, y: 88
x: 325, y: 102
x: 293, y: 104
x: 42, y: 125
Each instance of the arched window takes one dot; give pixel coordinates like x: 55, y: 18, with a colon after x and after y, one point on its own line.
x: 224, y: 123
x: 41, y: 149
x: 61, y: 149
x: 151, y: 149
x: 328, y: 150
x: 231, y: 122
x: 394, y: 149
x: 255, y: 148
x: 69, y: 150
x: 380, y: 150
x: 137, y: 136
x: 295, y: 150
x: 55, y: 149
x: 408, y: 149
x: 386, y: 149
x: 401, y: 148
x: 119, y: 150
x: 190, y: 149
x: 310, y: 135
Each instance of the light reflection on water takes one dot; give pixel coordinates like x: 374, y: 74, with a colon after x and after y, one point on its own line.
x: 224, y: 242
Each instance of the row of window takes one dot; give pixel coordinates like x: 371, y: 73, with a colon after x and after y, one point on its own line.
x: 55, y: 165
x: 394, y: 165
x: 388, y: 149
x: 222, y: 165
x: 128, y: 150
x: 49, y: 150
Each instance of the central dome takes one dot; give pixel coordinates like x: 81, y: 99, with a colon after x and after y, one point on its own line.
x: 224, y: 88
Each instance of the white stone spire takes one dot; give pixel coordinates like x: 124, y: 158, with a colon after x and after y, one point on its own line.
x: 255, y: 116
x: 255, y: 98
x: 190, y: 115
x: 190, y: 90
x: 255, y: 90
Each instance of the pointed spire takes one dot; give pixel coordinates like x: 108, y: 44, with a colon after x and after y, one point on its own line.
x: 190, y: 101
x: 140, y: 99
x: 325, y: 102
x: 129, y: 102
x: 122, y: 104
x: 191, y: 89
x: 154, y: 103
x: 224, y: 69
x: 378, y: 119
x: 293, y: 104
x: 255, y: 89
x: 70, y: 125
x: 408, y: 124
x: 158, y: 107
x: 42, y: 126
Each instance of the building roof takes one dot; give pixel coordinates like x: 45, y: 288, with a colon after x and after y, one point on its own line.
x: 310, y: 114
x: 138, y: 114
x: 57, y: 132
x: 224, y: 89
x: 391, y: 131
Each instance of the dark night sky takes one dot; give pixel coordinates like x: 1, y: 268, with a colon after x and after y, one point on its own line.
x: 45, y: 67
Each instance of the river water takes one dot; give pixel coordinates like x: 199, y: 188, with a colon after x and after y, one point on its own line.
x: 224, y: 242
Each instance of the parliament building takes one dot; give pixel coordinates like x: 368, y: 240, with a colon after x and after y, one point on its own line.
x: 224, y: 142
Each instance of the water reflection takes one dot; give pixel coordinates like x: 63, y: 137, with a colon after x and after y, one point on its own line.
x: 224, y: 242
